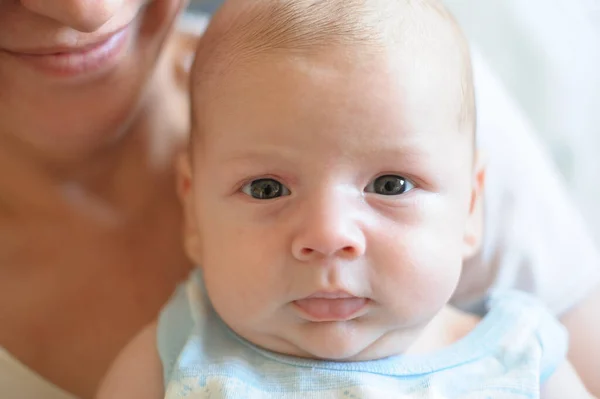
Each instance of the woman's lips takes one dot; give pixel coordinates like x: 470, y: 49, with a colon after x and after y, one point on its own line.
x: 338, y: 306
x: 74, y: 62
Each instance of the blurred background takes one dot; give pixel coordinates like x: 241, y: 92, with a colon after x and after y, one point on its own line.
x: 547, y: 55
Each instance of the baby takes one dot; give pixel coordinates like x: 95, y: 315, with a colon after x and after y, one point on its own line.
x: 331, y: 194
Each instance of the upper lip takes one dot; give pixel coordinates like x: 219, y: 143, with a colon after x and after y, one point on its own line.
x: 337, y: 294
x: 80, y: 47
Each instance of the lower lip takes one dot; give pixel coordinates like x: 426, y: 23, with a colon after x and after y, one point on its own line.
x: 97, y: 59
x: 322, y: 309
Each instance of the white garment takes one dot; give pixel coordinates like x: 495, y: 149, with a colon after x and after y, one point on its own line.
x: 19, y: 382
x: 535, y: 239
x: 547, y: 53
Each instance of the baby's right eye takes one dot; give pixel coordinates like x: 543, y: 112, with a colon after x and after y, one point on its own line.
x: 265, y: 189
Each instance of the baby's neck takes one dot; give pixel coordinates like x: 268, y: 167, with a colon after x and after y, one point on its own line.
x: 449, y: 326
x: 446, y: 328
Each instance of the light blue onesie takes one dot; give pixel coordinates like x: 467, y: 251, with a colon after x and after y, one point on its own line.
x: 514, y: 349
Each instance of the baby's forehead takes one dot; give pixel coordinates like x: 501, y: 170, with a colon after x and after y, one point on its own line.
x: 414, y: 42
x: 325, y: 96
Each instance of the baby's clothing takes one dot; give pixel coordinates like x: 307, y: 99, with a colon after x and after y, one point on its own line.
x: 513, y: 350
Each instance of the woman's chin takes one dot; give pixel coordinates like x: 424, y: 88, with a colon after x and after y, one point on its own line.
x: 72, y: 104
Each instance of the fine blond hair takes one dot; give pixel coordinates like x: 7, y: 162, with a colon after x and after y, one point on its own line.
x: 243, y: 30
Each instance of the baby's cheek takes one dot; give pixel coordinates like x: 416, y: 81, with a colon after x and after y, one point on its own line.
x: 233, y: 298
x: 238, y: 286
x: 421, y: 280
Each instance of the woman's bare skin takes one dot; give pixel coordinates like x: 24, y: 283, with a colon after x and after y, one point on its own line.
x: 87, y: 259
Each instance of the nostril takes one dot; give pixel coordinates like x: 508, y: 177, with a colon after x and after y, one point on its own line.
x: 306, y: 251
x: 348, y: 249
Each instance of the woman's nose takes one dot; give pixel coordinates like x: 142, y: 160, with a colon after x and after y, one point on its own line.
x: 329, y: 228
x: 81, y: 15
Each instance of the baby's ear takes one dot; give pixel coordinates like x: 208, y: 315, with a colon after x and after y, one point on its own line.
x: 185, y: 190
x: 475, y: 220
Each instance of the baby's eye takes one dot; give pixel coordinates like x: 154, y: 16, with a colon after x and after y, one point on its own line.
x: 265, y: 189
x: 389, y: 185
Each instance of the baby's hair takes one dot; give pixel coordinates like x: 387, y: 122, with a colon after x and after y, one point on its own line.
x: 244, y: 30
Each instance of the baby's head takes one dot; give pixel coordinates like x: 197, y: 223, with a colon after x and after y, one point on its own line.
x: 332, y: 184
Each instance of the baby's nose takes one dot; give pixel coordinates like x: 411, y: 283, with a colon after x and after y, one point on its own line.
x: 329, y: 229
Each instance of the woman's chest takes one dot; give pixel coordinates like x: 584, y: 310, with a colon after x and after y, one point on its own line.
x: 73, y: 294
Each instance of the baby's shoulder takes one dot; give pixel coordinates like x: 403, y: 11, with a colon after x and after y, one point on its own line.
x: 516, y: 326
x: 519, y: 328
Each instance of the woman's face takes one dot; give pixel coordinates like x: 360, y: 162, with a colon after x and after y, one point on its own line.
x: 72, y: 71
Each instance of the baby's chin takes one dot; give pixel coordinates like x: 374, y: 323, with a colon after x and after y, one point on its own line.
x: 338, y: 341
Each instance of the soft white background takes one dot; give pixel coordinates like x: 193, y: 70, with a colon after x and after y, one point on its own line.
x: 547, y: 53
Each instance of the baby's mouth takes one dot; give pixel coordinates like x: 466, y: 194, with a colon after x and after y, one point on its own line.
x: 331, y: 306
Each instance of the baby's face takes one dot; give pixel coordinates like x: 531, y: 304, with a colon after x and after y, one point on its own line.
x: 329, y: 201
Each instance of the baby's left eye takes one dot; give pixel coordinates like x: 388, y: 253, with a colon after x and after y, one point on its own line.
x: 389, y: 185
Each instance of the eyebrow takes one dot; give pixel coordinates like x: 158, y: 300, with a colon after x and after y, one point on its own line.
x: 408, y: 154
x: 274, y: 153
